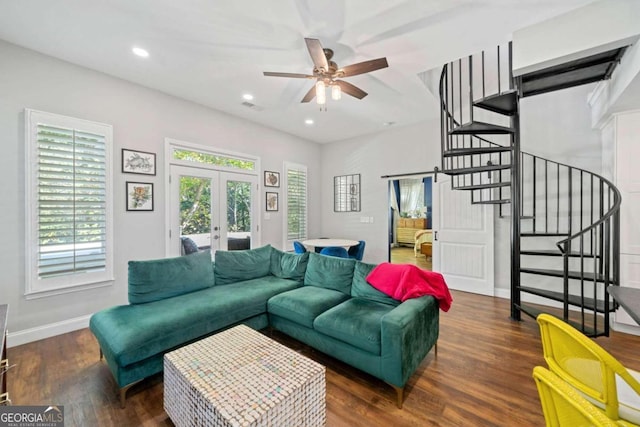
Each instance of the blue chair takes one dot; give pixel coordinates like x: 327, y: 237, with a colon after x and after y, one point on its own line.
x: 336, y: 251
x: 357, y: 251
x: 299, y: 247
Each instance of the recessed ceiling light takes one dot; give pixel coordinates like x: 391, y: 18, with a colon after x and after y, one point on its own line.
x: 143, y: 53
x: 247, y: 96
x: 308, y: 122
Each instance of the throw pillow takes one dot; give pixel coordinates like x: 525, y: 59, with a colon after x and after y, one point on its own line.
x: 361, y: 288
x: 287, y: 265
x: 158, y: 279
x: 238, y: 266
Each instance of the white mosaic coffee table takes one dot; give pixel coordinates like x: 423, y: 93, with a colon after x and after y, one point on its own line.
x: 240, y: 377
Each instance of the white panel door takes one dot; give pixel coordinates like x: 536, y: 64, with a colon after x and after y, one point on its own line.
x: 462, y: 239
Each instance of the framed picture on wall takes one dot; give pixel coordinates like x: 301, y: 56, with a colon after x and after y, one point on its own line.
x: 139, y: 162
x: 271, y: 201
x: 139, y: 196
x: 271, y: 179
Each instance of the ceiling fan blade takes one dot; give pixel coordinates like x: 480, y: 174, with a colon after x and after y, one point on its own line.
x: 350, y: 89
x: 317, y: 54
x: 292, y: 75
x: 310, y: 95
x: 362, y: 67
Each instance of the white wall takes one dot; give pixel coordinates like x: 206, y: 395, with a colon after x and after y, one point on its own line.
x: 594, y: 28
x: 406, y: 149
x: 141, y: 119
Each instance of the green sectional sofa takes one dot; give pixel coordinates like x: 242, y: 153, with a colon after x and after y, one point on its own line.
x: 322, y: 301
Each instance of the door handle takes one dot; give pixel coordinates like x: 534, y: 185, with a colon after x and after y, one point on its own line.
x: 435, y: 236
x: 216, y: 237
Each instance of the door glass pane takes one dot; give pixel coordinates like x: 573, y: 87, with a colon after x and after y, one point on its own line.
x: 238, y: 215
x: 195, y: 212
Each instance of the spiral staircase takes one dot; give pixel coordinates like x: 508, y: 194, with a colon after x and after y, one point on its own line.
x: 565, y: 221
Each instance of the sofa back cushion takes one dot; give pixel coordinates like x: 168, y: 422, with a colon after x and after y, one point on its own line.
x: 360, y: 288
x: 158, y: 279
x: 287, y: 265
x: 237, y: 266
x: 329, y: 272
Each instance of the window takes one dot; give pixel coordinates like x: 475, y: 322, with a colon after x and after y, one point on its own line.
x: 296, y: 203
x: 69, y: 204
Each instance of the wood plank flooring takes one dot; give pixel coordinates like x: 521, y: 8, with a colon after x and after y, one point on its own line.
x: 480, y: 377
x: 405, y: 255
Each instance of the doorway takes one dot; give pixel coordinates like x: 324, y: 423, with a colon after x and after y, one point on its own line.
x: 410, y: 209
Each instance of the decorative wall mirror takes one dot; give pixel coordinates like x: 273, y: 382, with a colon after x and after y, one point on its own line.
x: 346, y: 193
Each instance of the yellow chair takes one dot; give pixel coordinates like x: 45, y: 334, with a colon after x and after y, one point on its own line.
x: 563, y: 406
x: 591, y: 370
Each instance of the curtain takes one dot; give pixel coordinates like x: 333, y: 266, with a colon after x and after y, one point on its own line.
x: 394, y: 198
x: 411, y: 196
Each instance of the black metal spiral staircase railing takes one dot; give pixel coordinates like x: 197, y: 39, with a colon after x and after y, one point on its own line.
x: 565, y: 224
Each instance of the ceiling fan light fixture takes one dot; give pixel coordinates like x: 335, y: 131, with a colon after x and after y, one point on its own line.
x: 336, y: 92
x: 138, y: 51
x: 321, y: 95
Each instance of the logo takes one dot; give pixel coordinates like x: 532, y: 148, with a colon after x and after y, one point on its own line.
x: 31, y: 416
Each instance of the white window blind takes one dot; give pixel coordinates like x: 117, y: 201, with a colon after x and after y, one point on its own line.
x: 296, y: 203
x: 70, y: 202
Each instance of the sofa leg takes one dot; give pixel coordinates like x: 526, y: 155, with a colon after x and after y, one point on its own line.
x: 123, y: 393
x: 436, y: 346
x: 101, y: 355
x: 399, y: 395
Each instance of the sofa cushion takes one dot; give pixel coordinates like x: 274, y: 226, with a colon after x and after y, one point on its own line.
x: 356, y: 322
x: 135, y: 332
x: 360, y: 287
x: 158, y: 279
x: 304, y: 304
x: 330, y: 272
x: 287, y: 265
x: 238, y: 266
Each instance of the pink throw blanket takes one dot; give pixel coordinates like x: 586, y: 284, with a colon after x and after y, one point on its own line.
x: 404, y: 281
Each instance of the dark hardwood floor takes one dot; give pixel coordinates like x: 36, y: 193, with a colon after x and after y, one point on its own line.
x: 480, y: 377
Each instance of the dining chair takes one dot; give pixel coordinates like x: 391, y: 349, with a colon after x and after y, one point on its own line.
x: 299, y: 247
x: 336, y: 251
x: 563, y: 406
x: 357, y: 251
x: 591, y: 370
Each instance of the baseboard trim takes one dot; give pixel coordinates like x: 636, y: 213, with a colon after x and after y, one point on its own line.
x: 47, y: 331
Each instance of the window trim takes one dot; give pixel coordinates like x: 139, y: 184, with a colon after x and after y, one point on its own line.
x: 288, y: 244
x: 34, y: 286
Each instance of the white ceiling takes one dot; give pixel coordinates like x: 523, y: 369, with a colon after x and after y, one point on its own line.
x: 211, y: 52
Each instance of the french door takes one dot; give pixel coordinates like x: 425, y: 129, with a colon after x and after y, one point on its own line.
x: 216, y: 210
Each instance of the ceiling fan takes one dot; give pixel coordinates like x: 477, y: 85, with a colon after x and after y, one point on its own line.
x: 326, y: 73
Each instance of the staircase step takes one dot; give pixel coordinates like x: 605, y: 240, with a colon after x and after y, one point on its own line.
x: 491, y: 202
x: 503, y: 103
x: 481, y: 128
x: 535, y: 311
x: 556, y: 253
x: 476, y: 169
x: 475, y: 150
x: 544, y: 235
x: 483, y: 186
x: 574, y: 300
x: 589, y: 277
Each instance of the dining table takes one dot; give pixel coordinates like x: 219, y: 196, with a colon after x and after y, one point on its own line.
x: 323, y: 243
